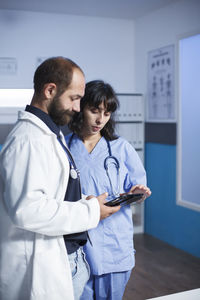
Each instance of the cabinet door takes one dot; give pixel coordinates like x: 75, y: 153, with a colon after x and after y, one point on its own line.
x: 130, y: 125
x: 131, y: 108
x: 132, y: 132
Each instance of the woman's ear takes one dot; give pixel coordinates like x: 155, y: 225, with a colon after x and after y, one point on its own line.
x: 50, y: 90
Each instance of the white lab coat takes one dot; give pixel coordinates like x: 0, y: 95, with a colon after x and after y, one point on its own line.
x: 34, y: 172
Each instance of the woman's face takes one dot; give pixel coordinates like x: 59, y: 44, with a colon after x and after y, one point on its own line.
x: 94, y: 119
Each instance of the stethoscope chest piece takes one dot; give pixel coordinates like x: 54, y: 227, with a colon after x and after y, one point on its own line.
x: 73, y: 173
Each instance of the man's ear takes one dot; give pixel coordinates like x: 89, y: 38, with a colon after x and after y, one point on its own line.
x: 50, y: 90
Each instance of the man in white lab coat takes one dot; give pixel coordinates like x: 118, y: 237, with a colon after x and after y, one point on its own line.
x: 39, y: 189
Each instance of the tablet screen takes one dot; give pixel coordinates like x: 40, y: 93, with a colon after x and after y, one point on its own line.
x: 125, y: 199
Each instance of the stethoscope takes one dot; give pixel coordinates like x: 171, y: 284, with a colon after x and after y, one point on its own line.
x: 108, y: 162
x: 73, y: 172
x: 112, y: 160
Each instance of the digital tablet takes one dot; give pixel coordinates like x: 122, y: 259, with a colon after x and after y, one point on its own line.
x: 125, y: 199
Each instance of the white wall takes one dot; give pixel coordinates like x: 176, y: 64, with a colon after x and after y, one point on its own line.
x: 104, y: 48
x: 111, y: 49
x: 162, y: 28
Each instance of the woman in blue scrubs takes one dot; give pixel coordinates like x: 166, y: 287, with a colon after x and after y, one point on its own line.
x: 110, y: 250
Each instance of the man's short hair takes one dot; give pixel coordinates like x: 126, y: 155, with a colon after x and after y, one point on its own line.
x: 58, y: 70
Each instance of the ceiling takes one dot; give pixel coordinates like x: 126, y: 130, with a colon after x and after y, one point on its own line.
x: 125, y: 9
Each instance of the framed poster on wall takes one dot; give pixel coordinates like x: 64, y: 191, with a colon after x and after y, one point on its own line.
x: 160, y: 89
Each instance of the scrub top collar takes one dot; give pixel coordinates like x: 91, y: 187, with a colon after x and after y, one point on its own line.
x: 45, y: 118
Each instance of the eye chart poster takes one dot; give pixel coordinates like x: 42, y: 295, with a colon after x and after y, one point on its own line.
x: 160, y: 90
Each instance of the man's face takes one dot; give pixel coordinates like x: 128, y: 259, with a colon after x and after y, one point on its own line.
x: 62, y: 108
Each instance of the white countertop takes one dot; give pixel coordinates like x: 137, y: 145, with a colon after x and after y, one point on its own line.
x: 187, y: 295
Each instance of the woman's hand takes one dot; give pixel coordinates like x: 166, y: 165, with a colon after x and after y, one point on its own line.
x: 140, y: 189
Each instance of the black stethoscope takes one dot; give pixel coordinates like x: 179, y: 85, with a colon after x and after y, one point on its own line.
x: 109, y: 162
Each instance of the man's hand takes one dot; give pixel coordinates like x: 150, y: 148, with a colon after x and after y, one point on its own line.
x: 105, y: 211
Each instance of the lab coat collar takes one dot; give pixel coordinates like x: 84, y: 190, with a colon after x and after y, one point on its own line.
x: 27, y: 116
x: 44, y: 117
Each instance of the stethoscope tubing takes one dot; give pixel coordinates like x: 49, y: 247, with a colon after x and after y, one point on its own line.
x: 106, y: 166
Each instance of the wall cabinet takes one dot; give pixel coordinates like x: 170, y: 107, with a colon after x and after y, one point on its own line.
x: 130, y: 125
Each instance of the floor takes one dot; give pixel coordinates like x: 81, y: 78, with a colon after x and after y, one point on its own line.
x: 161, y: 270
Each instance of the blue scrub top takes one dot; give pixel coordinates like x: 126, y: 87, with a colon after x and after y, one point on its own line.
x: 112, y: 248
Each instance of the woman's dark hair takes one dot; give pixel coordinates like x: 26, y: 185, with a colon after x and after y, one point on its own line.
x: 58, y: 70
x: 96, y: 92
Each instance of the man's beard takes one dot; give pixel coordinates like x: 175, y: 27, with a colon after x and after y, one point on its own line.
x: 59, y: 116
